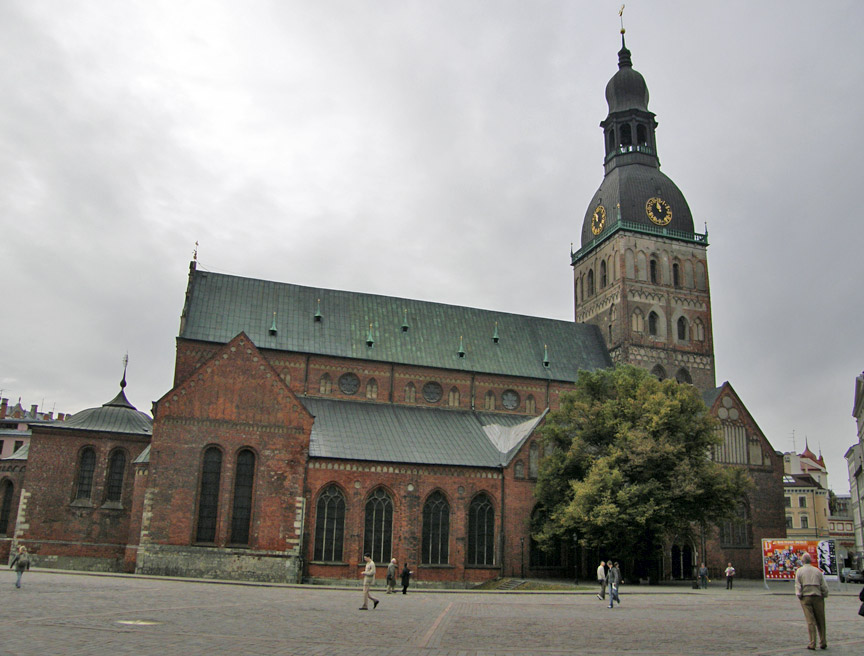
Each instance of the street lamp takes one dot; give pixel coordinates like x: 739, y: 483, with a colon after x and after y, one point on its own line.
x: 522, y: 558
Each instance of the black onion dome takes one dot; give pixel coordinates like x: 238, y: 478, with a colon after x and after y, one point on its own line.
x: 630, y: 187
x: 116, y: 416
x: 627, y: 88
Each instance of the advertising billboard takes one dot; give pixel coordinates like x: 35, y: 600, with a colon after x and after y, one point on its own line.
x: 780, y: 558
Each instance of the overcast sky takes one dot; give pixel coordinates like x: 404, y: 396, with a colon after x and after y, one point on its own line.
x: 431, y: 149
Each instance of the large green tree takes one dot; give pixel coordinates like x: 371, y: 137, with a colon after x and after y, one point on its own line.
x: 627, y: 465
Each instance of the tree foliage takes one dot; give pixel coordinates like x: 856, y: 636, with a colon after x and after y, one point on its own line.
x: 627, y: 464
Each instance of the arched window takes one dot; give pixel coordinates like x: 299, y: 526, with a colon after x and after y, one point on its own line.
x: 641, y: 266
x: 86, y: 467
x: 208, y: 499
x: 629, y: 264
x: 682, y: 329
x: 378, y: 536
x: 683, y: 376
x: 6, y: 491
x: 641, y: 135
x: 410, y: 393
x: 436, y: 531
x: 241, y: 513
x: 653, y: 321
x: 325, y: 384
x: 626, y: 135
x: 688, y: 274
x: 372, y: 389
x: 658, y: 372
x: 519, y: 469
x: 533, y: 460
x: 701, y: 278
x: 453, y: 398
x: 698, y: 330
x: 676, y: 275
x: 590, y: 282
x: 612, y: 143
x: 637, y: 321
x: 530, y: 405
x: 652, y: 267
x: 603, y: 274
x: 490, y: 400
x: 116, y: 469
x: 735, y: 532
x: 329, y: 525
x: 481, y: 531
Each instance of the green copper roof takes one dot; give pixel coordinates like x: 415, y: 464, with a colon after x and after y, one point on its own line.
x: 383, y: 432
x: 116, y: 416
x: 387, y: 329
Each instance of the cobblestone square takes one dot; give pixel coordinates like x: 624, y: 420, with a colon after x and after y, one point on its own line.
x: 59, y: 613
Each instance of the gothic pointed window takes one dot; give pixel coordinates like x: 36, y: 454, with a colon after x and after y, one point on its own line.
x: 735, y: 532
x: 682, y: 329
x: 637, y: 321
x: 241, y: 513
x: 329, y: 525
x: 378, y: 534
x: 612, y: 143
x: 490, y: 400
x: 653, y: 323
x: 116, y: 469
x: 86, y: 467
x: 519, y: 470
x: 533, y: 460
x: 676, y: 275
x: 436, y: 530
x: 652, y: 266
x: 6, y: 491
x: 372, y: 389
x: 683, y: 376
x: 410, y: 393
x: 658, y: 372
x: 603, y: 274
x: 481, y: 531
x: 325, y: 384
x: 590, y: 283
x: 530, y: 405
x: 208, y: 497
x: 698, y: 330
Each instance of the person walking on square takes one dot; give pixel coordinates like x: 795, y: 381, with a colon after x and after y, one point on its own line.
x: 614, y: 579
x: 703, y: 576
x: 368, y: 579
x: 601, y: 579
x: 391, y: 576
x: 811, y: 590
x: 406, y: 578
x: 730, y: 575
x: 20, y: 562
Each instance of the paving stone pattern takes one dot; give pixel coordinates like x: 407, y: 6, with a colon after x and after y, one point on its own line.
x: 60, y: 613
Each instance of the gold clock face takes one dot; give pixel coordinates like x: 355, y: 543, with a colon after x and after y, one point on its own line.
x: 598, y: 221
x: 658, y: 211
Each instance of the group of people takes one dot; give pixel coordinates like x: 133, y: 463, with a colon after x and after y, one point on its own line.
x: 369, y: 578
x: 609, y: 576
x: 729, y: 572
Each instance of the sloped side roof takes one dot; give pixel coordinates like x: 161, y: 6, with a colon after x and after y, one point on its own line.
x: 20, y: 454
x: 352, y: 430
x: 220, y: 306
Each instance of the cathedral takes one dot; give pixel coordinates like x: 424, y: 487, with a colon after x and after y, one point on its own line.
x: 306, y: 426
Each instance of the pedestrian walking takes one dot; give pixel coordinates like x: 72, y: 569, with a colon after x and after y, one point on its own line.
x: 391, y: 576
x: 601, y: 579
x: 703, y: 576
x: 406, y: 578
x: 614, y: 579
x: 368, y: 579
x: 811, y: 590
x: 730, y: 575
x: 20, y: 562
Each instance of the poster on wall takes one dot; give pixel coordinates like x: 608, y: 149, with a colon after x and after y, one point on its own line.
x: 780, y: 558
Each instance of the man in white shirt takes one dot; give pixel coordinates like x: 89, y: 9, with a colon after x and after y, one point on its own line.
x: 601, y: 579
x: 368, y: 578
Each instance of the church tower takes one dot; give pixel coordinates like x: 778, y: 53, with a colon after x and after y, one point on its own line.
x: 641, y: 274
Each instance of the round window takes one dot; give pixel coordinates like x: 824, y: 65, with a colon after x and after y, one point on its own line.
x: 432, y: 392
x: 349, y: 383
x: 510, y: 399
